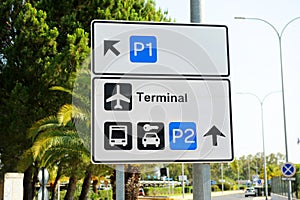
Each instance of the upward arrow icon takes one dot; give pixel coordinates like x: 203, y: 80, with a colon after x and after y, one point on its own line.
x: 214, y: 132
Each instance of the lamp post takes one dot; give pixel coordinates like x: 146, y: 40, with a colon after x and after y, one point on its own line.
x: 279, y: 35
x: 238, y: 171
x: 261, y: 102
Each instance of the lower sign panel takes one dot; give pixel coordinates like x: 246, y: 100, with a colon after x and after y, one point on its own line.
x: 161, y: 120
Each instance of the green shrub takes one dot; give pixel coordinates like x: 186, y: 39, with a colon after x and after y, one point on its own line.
x: 162, y: 191
x: 188, y: 189
x: 242, y: 187
x: 215, y: 188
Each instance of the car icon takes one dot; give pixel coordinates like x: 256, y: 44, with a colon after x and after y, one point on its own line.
x: 150, y: 138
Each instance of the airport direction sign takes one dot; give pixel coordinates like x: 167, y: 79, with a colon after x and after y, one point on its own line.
x: 145, y: 48
x: 160, y: 93
x: 137, y: 120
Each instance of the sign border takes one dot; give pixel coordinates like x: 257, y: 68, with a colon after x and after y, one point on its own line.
x: 160, y: 161
x: 158, y: 24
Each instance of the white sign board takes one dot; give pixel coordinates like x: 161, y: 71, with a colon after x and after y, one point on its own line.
x: 143, y: 48
x: 13, y: 186
x: 182, y: 178
x: 288, y: 179
x: 161, y: 120
x: 160, y: 93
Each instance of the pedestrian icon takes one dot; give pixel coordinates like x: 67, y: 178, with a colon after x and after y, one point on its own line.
x: 150, y: 136
x: 117, y: 96
x: 118, y: 135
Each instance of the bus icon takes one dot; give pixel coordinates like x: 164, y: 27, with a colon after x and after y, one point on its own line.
x: 117, y: 135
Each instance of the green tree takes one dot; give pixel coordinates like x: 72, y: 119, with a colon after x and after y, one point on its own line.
x: 26, y: 50
x: 56, y: 143
x: 57, y: 139
x: 43, y: 44
x: 78, y: 114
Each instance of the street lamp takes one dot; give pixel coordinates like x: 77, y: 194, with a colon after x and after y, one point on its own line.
x: 261, y: 102
x: 279, y: 35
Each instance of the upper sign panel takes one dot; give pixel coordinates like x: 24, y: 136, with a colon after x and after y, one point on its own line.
x: 158, y: 49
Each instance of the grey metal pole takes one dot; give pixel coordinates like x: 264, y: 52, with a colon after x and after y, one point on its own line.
x: 264, y: 151
x: 222, y: 177
x: 261, y: 102
x: 282, y: 84
x: 43, y: 185
x: 201, y: 172
x: 256, y: 168
x: 182, y: 181
x: 249, y: 178
x: 283, y: 107
x: 120, y: 182
x: 201, y: 182
x: 238, y: 169
x: 197, y: 11
x: 58, y: 190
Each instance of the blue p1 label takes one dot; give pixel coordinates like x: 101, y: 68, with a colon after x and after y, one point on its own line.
x: 183, y: 135
x: 143, y: 49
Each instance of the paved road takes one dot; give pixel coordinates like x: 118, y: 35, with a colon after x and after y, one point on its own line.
x: 227, y: 195
x: 240, y: 196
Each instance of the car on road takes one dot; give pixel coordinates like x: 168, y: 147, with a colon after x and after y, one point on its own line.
x: 250, y: 192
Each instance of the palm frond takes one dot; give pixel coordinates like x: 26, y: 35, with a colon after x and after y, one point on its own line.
x: 68, y: 112
x: 48, y: 139
x: 77, y: 98
x: 46, y: 123
x: 62, y: 89
x: 59, y: 153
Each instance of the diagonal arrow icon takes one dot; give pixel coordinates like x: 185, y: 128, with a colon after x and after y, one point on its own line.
x: 214, y: 132
x: 109, y: 45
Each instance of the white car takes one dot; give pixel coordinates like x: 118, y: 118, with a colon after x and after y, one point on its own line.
x: 250, y: 192
x: 151, y: 138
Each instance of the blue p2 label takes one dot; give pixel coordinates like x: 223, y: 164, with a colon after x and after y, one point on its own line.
x: 143, y: 49
x: 183, y: 136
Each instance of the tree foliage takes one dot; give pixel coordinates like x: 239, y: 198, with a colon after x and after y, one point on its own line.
x: 43, y: 44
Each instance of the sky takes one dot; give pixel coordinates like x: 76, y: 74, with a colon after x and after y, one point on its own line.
x: 255, y: 68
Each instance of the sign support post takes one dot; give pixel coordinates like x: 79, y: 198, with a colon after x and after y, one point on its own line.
x: 288, y: 170
x: 201, y: 181
x: 182, y: 181
x: 201, y: 172
x: 120, y: 182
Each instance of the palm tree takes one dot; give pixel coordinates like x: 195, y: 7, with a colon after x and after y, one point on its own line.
x: 64, y: 140
x: 54, y: 143
x: 79, y: 114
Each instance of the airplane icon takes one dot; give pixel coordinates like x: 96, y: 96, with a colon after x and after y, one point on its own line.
x: 118, y: 97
